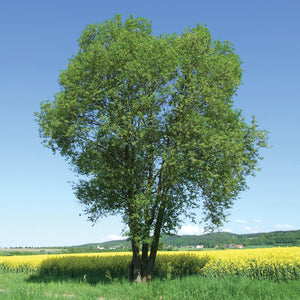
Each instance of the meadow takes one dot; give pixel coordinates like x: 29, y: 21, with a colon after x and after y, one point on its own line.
x: 269, y: 273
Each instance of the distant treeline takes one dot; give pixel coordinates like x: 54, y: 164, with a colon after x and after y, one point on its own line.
x: 210, y: 240
x: 173, y: 242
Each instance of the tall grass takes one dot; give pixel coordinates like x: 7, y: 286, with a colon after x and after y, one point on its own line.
x: 16, y: 286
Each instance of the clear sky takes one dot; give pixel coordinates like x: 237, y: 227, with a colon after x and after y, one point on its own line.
x: 37, y: 37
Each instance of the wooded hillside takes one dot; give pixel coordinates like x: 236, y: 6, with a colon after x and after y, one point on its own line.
x: 210, y: 240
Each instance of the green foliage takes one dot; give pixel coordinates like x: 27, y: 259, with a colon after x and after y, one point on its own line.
x: 148, y: 122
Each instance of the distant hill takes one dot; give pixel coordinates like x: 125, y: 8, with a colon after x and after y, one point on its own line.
x: 210, y: 240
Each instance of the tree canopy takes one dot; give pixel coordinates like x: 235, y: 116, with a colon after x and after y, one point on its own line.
x: 148, y: 123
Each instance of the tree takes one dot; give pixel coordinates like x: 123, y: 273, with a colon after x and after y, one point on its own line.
x: 148, y: 123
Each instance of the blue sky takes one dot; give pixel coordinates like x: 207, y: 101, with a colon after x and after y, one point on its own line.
x: 38, y: 207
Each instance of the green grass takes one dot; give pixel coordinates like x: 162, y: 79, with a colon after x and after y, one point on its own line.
x: 19, y: 287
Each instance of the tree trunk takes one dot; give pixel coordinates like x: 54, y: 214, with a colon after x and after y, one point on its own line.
x: 147, y: 273
x: 142, y: 266
x: 145, y: 249
x: 152, y: 258
x: 135, y: 270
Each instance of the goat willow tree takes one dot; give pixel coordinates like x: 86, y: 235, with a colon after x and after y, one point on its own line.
x: 148, y: 121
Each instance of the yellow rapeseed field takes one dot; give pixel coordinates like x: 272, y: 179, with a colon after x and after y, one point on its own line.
x: 271, y: 263
x: 280, y: 264
x: 32, y: 263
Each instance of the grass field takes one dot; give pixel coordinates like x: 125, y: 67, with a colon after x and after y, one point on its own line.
x: 228, y: 274
x: 17, y: 287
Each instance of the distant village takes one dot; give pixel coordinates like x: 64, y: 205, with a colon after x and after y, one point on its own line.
x: 230, y: 246
x: 166, y: 247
